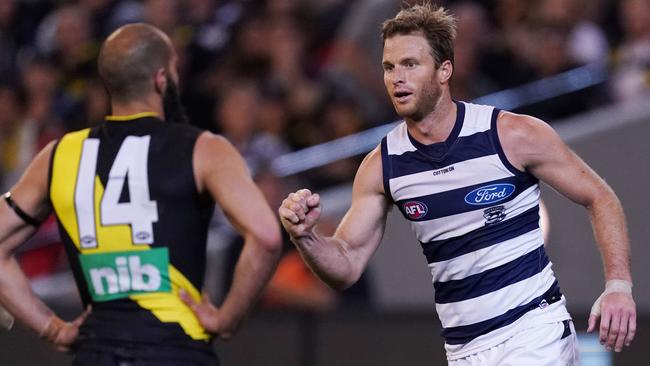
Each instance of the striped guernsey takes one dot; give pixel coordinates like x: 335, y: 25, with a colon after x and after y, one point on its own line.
x: 477, y: 219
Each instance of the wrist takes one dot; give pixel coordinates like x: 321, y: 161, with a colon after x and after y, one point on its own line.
x: 618, y: 286
x: 52, y: 328
x: 306, y: 238
x: 6, y: 319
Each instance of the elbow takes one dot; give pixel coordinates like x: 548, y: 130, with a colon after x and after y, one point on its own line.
x: 603, y: 198
x: 343, y: 283
x: 5, y: 254
x: 270, y: 240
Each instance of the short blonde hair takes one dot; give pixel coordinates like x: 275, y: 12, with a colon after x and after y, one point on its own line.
x: 435, y: 23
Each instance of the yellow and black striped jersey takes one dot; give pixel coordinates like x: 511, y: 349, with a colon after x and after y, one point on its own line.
x: 134, y: 227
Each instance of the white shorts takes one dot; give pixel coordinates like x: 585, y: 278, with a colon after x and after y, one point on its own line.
x: 551, y: 344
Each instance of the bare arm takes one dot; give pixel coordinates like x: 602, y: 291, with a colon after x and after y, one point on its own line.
x: 220, y: 171
x: 533, y: 145
x: 30, y: 194
x: 339, y: 260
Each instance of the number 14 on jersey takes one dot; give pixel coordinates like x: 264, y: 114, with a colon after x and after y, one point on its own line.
x: 130, y: 165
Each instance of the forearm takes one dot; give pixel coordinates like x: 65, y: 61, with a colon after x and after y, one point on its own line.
x: 610, y: 231
x: 329, y: 259
x: 254, y: 268
x: 18, y: 298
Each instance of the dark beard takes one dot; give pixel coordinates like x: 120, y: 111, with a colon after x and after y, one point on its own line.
x: 172, y: 105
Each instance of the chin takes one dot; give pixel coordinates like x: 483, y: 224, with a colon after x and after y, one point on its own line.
x: 405, y: 112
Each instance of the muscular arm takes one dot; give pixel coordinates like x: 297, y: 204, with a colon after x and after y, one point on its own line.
x: 221, y: 171
x: 339, y: 260
x: 30, y: 194
x: 532, y: 145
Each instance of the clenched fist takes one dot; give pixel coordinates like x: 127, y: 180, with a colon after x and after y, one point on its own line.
x: 300, y: 212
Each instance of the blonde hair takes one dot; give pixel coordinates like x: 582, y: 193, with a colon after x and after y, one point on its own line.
x: 434, y: 22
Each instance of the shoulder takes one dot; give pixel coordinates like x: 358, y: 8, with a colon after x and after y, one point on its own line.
x: 45, y: 155
x: 369, y: 176
x: 520, y: 127
x: 208, y: 143
x: 214, y: 153
x: 524, y: 138
x: 215, y: 157
x: 372, y: 161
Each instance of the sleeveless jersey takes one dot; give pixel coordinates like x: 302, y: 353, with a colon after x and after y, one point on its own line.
x: 476, y: 217
x: 134, y: 227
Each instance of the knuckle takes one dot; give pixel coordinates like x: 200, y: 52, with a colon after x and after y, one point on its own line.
x: 611, y: 338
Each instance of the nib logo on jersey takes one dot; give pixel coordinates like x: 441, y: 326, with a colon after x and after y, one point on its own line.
x: 116, y: 275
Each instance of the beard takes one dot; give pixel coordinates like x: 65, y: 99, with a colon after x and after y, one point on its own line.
x: 426, y: 102
x: 172, y: 105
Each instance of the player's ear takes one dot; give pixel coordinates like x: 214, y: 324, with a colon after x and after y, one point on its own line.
x: 160, y: 80
x: 445, y: 71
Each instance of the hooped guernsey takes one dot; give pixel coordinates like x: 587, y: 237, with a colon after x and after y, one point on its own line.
x: 477, y: 219
x: 134, y: 227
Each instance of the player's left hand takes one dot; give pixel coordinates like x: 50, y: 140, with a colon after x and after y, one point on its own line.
x: 617, y: 313
x: 208, y: 315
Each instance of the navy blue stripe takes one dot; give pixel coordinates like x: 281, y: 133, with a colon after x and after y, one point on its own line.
x: 466, y: 147
x: 438, y: 152
x: 386, y: 167
x: 453, y: 202
x: 442, y: 250
x: 493, y: 279
x: 499, y: 148
x: 465, y: 333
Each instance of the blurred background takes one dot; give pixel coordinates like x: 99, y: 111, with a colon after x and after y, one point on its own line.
x: 296, y: 85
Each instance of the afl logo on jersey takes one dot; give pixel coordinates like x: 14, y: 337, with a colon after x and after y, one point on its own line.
x: 415, y: 209
x: 489, y: 194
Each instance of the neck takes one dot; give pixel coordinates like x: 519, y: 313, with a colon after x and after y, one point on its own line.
x: 437, y: 125
x: 138, y: 106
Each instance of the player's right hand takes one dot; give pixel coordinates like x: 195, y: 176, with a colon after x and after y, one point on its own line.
x: 63, y: 335
x: 300, y: 212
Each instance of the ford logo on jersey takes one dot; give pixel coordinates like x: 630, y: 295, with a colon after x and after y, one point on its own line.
x: 489, y: 194
x: 415, y: 210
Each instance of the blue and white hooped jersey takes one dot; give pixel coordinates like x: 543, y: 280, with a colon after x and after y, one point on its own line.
x: 477, y: 219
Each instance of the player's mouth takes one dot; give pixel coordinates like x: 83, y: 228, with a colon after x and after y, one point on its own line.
x: 401, y: 96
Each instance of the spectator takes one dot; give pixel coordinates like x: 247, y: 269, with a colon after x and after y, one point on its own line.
x: 236, y: 116
x: 586, y: 42
x: 631, y: 78
x: 469, y: 81
x: 10, y: 116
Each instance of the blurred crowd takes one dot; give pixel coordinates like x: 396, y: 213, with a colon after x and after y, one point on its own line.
x: 277, y: 75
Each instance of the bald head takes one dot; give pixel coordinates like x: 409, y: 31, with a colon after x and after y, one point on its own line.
x: 130, y: 58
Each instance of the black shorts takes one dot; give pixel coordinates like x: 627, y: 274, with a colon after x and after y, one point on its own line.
x: 143, y: 356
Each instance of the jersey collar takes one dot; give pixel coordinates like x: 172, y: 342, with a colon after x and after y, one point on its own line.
x: 131, y: 116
